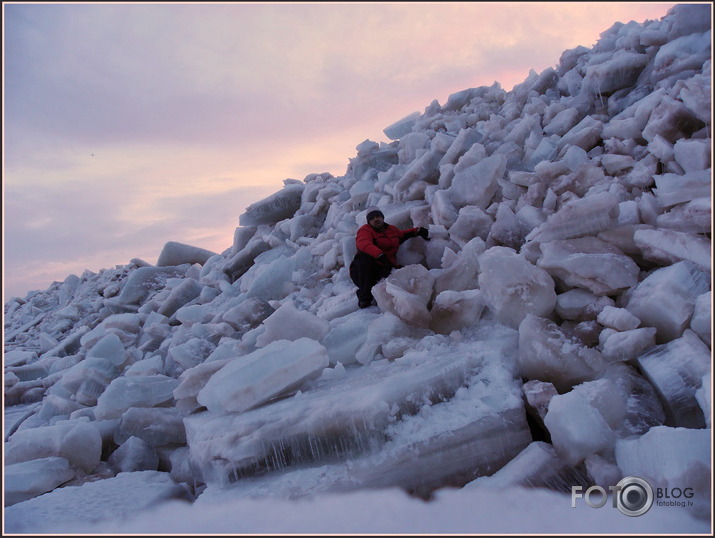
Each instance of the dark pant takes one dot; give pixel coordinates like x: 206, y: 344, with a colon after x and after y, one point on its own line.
x: 365, y: 272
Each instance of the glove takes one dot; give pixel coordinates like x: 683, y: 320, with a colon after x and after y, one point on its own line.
x: 383, y: 260
x: 423, y: 233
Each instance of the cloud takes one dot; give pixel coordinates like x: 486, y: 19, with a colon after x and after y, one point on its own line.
x: 129, y: 125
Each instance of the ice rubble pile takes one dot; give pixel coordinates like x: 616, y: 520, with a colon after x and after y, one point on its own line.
x: 555, y: 331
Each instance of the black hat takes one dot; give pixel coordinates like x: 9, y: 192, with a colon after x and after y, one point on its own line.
x: 374, y: 213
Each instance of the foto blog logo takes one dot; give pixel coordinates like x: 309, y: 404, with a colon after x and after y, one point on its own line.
x: 633, y: 496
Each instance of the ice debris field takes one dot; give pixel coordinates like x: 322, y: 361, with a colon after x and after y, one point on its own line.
x: 554, y: 332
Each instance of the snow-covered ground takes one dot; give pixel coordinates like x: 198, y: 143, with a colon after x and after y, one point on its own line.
x: 554, y: 332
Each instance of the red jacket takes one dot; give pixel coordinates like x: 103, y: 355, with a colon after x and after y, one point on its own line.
x: 387, y: 241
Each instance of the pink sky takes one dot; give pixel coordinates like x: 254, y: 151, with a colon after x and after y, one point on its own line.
x: 130, y: 125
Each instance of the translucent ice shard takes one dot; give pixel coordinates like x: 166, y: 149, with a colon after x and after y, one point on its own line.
x: 538, y: 466
x: 274, y: 208
x: 676, y: 370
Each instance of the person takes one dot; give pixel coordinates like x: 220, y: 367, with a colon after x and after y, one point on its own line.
x: 377, y: 243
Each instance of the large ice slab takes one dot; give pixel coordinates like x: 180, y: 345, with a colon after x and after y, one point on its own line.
x: 350, y: 415
x: 253, y: 379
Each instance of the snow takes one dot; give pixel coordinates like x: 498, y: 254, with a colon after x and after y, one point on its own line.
x: 554, y: 332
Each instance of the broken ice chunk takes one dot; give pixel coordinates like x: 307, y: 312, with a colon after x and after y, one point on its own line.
x: 701, y: 321
x: 588, y: 262
x: 29, y: 479
x: 675, y: 189
x: 289, y: 323
x: 401, y: 127
x: 472, y: 222
x: 547, y: 353
x: 347, y: 335
x: 187, y: 291
x: 253, y: 379
x: 582, y: 216
x: 620, y: 71
x: 191, y: 381
x: 477, y: 184
x: 156, y: 426
x: 143, y: 281
x: 248, y: 314
x: 670, y: 458
x: 643, y: 408
x: 676, y: 370
x: 670, y: 246
x: 406, y: 293
x: 665, y: 299
x: 175, y: 253
x: 693, y: 155
x: 538, y: 395
x: 537, y: 466
x: 451, y: 457
x: 581, y: 305
x: 704, y: 397
x: 381, y: 332
x: 627, y: 345
x: 134, y: 391
x: 462, y: 273
x: 672, y: 120
x: 455, y: 410
x: 189, y: 354
x: 281, y: 205
x: 578, y: 429
x: 77, y: 441
x: 134, y: 454
x: 681, y: 54
x: 586, y: 135
x: 618, y: 318
x: 694, y: 216
x: 514, y: 288
x: 453, y: 310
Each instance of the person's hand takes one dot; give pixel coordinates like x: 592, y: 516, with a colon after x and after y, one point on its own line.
x: 383, y: 260
x: 423, y: 233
